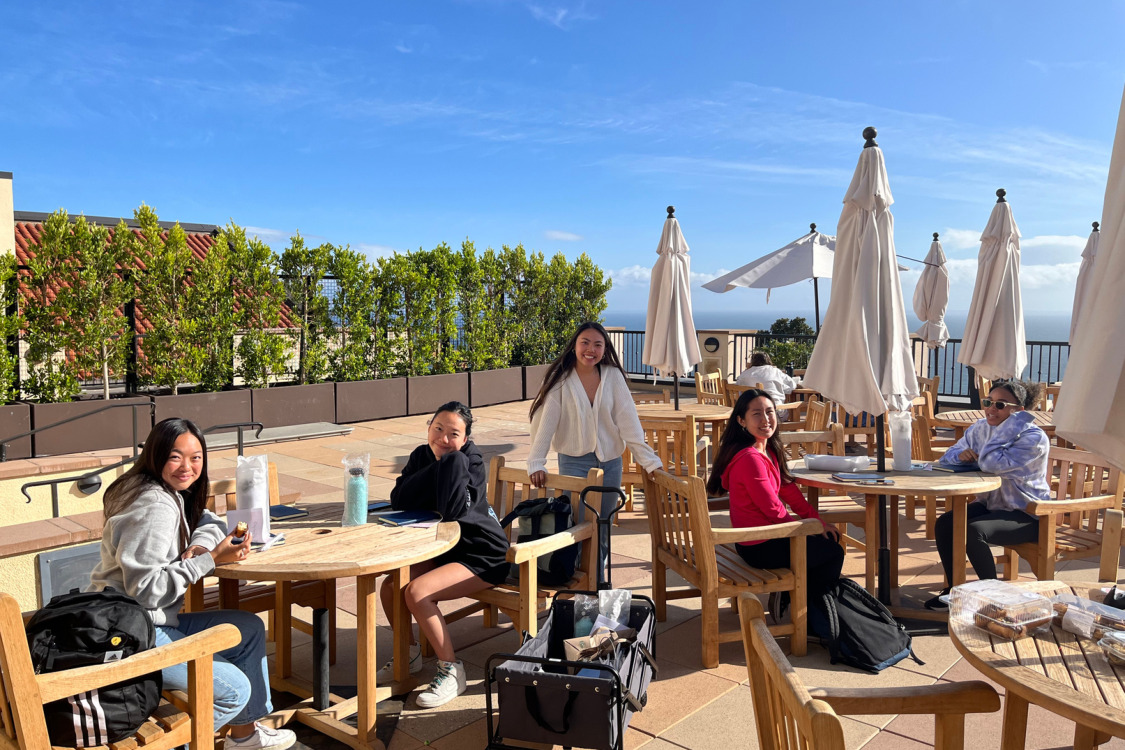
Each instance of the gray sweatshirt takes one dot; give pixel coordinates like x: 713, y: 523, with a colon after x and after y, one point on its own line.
x: 141, y: 551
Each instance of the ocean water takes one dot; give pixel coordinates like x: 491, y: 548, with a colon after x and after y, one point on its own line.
x: 1038, y: 326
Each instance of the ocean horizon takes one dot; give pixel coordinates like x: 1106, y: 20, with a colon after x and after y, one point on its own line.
x: 1038, y: 326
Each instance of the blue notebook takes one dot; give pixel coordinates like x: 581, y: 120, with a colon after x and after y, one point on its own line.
x: 407, y: 517
x: 862, y: 478
x: 957, y: 468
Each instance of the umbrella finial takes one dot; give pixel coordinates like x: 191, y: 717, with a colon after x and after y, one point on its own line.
x: 1000, y: 195
x: 671, y: 211
x: 812, y: 228
x: 869, y: 133
x: 935, y: 236
x: 1095, y: 225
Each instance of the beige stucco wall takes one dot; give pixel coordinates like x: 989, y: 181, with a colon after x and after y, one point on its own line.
x: 19, y: 575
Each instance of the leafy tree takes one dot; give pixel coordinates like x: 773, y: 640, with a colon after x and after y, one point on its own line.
x: 791, y: 327
x: 262, y: 351
x: 52, y: 376
x: 499, y: 319
x: 99, y: 334
x: 214, y: 306
x: 171, y: 353
x: 350, y: 354
x: 10, y: 323
x: 485, y: 342
x: 303, y: 268
x: 783, y: 348
x: 532, y: 297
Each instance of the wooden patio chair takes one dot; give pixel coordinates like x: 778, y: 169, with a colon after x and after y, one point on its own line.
x: 663, y: 396
x: 930, y: 386
x: 523, y: 600
x: 838, y: 510
x: 816, y: 417
x: 922, y: 448
x: 789, y: 715
x: 677, y: 444
x: 710, y: 389
x: 685, y: 542
x: 1051, y: 397
x: 734, y: 390
x: 23, y: 693
x: 1074, y: 524
x: 278, y: 601
x: 788, y: 412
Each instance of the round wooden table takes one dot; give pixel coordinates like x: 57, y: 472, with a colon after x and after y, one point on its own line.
x: 961, y: 489
x: 710, y: 420
x: 962, y: 420
x: 1058, y: 670
x: 315, y: 550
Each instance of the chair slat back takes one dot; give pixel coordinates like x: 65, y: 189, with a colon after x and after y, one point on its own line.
x: 709, y: 389
x: 786, y: 715
x: 652, y: 397
x: 673, y: 440
x: 1083, y: 474
x: 678, y: 520
x: 802, y: 442
x: 1050, y: 397
x: 929, y: 385
x: 921, y: 449
x: 508, y: 487
x: 816, y: 416
x: 734, y: 390
x: 22, y: 704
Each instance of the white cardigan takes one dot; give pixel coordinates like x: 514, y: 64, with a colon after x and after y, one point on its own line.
x: 568, y: 422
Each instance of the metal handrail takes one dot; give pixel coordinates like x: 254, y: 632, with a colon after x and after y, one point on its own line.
x: 240, y: 426
x: 4, y: 442
x: 63, y: 480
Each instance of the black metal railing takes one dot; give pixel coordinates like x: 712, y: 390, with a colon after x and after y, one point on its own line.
x: 630, y: 347
x: 240, y: 426
x: 87, y: 483
x: 151, y: 406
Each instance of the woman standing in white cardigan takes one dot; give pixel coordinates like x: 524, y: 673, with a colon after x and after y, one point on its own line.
x: 585, y: 412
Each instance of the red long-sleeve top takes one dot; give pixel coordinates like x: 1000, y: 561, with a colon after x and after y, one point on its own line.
x: 757, y: 495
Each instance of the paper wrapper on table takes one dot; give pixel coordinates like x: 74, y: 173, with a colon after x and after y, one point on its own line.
x: 1000, y: 609
x: 1087, y: 618
x: 252, y: 488
x: 822, y: 462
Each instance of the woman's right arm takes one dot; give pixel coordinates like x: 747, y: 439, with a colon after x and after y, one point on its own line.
x: 543, y: 426
x: 150, y: 568
x: 961, y: 447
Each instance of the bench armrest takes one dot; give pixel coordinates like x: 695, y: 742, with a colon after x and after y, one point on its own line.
x: 973, y: 697
x: 521, y: 552
x: 1051, y: 507
x: 54, y: 686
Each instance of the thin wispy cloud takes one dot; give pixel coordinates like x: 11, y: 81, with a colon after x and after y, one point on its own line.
x: 554, y: 234
x: 560, y: 16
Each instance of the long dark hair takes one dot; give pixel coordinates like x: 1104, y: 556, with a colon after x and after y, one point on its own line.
x: 565, y: 362
x: 149, y: 469
x: 735, y: 438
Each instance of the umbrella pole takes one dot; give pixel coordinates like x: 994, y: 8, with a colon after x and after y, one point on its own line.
x: 676, y: 390
x: 884, y: 560
x: 816, y: 301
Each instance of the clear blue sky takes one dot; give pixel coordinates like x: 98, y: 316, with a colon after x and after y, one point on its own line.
x: 570, y: 125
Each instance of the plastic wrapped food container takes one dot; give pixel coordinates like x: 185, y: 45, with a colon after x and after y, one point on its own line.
x: 1085, y: 617
x: 1113, y: 644
x: 1001, y: 609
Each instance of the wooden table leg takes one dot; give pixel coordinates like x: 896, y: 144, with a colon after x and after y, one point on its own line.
x: 893, y: 532
x: 960, y: 535
x: 366, y: 599
x: 1013, y: 734
x: 871, y: 540
x: 283, y: 629
x: 400, y: 625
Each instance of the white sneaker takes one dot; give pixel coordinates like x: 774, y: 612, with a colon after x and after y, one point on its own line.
x: 386, y: 672
x: 263, y: 737
x: 448, y: 683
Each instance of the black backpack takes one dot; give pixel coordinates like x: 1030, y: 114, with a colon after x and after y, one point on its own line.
x: 541, y: 518
x: 858, y: 629
x: 79, y: 629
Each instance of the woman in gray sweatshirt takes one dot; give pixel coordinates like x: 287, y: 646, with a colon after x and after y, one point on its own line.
x: 158, y: 539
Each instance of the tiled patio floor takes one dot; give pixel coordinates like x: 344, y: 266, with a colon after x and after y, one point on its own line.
x: 688, y: 707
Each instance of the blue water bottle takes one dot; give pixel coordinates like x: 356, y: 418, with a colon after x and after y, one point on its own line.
x: 355, y: 498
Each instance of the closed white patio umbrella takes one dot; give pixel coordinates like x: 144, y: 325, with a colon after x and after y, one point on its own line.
x: 994, y: 343
x: 671, y: 347
x: 1085, y: 276
x: 931, y: 297
x: 1091, y: 408
x: 807, y: 257
x: 862, y: 358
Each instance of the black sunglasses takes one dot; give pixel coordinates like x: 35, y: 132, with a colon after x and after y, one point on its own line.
x: 1001, y: 405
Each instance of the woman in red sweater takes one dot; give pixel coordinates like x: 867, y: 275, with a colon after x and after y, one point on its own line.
x: 750, y: 465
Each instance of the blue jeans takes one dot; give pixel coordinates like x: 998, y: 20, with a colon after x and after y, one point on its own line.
x: 241, y: 683
x: 579, y: 466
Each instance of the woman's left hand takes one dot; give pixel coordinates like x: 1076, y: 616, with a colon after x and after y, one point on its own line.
x: 194, y: 551
x: 830, y: 532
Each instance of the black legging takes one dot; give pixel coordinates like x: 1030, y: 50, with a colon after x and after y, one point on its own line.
x: 825, y: 559
x: 985, y: 527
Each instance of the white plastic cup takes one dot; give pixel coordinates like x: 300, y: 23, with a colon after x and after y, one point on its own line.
x: 900, y: 439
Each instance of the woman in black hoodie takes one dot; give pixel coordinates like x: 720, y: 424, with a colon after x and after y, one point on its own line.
x: 448, y: 475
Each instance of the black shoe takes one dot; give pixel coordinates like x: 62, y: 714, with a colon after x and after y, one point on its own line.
x: 938, y: 604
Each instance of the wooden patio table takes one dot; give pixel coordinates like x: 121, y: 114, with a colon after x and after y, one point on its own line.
x: 962, y: 420
x: 710, y: 420
x: 316, y: 550
x: 1057, y: 670
x: 961, y: 489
